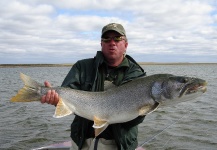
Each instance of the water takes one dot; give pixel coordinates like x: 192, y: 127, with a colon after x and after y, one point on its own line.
x: 30, y: 125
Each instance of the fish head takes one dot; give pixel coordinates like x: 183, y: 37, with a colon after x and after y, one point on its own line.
x: 193, y: 86
x: 176, y: 89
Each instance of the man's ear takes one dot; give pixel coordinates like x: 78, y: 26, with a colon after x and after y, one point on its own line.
x: 126, y: 45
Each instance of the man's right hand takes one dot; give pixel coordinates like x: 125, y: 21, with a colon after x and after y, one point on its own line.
x: 51, y: 96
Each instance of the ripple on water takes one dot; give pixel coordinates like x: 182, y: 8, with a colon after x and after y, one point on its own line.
x: 26, y: 126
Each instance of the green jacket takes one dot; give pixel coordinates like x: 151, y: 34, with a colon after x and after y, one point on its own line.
x: 89, y: 75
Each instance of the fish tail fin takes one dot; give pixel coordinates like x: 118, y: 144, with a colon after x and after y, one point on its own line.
x: 29, y: 92
x: 61, y: 110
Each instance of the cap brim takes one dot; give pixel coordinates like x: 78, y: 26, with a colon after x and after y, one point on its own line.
x: 118, y: 31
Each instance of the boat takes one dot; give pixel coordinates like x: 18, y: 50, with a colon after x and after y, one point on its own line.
x: 65, y: 146
x: 59, y: 146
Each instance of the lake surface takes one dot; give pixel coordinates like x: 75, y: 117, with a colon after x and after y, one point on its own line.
x: 31, y: 125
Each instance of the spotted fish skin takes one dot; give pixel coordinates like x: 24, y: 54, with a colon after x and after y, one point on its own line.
x: 119, y: 103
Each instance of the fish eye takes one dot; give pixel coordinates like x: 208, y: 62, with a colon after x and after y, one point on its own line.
x: 184, y: 80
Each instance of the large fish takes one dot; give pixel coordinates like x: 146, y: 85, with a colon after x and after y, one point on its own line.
x: 120, y: 103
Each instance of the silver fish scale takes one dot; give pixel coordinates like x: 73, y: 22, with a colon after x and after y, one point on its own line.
x: 117, y: 104
x: 123, y: 103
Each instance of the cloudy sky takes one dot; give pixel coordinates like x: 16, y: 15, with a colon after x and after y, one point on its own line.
x: 64, y: 31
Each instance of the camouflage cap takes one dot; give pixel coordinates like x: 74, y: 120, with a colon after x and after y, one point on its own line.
x: 113, y: 27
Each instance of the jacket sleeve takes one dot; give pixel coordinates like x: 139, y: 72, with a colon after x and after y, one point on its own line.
x: 81, y: 128
x: 134, y: 71
x: 133, y: 122
x: 72, y: 79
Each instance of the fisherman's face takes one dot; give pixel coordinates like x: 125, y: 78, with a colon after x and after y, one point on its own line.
x: 114, y: 47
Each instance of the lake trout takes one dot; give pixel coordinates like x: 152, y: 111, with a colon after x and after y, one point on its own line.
x: 119, y: 103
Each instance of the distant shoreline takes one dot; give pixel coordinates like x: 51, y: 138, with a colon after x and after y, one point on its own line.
x: 69, y: 65
x: 33, y: 65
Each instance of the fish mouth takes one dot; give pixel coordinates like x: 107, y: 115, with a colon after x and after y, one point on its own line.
x: 191, y: 88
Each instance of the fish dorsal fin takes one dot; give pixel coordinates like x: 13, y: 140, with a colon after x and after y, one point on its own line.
x: 61, y: 110
x: 99, y: 125
x: 147, y: 109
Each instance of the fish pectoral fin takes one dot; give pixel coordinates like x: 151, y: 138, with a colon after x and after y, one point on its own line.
x: 147, y: 109
x: 99, y: 125
x: 61, y: 110
x: 98, y: 131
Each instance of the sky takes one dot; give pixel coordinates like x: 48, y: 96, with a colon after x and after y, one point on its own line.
x: 65, y: 31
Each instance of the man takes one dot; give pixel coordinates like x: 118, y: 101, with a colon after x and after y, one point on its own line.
x: 110, y: 64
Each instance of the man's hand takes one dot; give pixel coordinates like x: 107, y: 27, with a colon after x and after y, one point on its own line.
x: 51, y: 97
